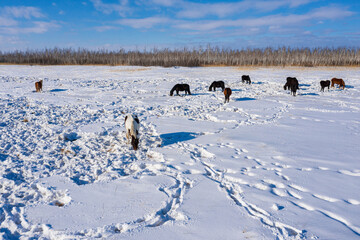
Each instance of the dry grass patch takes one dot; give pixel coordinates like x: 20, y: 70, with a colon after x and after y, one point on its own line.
x: 129, y: 70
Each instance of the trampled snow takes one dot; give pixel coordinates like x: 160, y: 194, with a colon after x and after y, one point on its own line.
x: 267, y: 165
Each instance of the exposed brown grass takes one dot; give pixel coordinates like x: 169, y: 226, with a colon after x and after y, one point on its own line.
x: 129, y: 70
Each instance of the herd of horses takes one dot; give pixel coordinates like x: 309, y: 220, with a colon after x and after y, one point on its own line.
x: 132, y: 123
x: 291, y: 84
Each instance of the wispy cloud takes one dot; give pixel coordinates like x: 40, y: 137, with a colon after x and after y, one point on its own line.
x: 104, y: 28
x: 23, y: 12
x: 144, y: 22
x: 20, y: 20
x: 166, y: 3
x: 324, y: 13
x: 121, y: 8
x: 36, y: 27
x: 6, y: 21
x: 200, y: 10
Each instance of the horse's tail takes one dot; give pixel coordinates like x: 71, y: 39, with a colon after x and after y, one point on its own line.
x: 227, y: 92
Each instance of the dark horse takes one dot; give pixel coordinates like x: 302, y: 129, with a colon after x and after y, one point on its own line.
x: 245, y: 78
x: 180, y: 87
x: 227, y: 93
x: 338, y: 81
x: 291, y: 84
x: 325, y: 84
x: 217, y: 84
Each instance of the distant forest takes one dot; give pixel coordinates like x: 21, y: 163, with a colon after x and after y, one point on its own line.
x: 210, y: 56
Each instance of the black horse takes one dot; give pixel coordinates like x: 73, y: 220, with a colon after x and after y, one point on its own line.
x: 290, y: 81
x: 217, y: 84
x: 325, y: 84
x: 180, y: 87
x: 245, y: 78
x: 291, y: 84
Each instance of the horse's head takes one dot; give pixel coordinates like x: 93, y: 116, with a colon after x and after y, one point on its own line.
x: 134, y: 142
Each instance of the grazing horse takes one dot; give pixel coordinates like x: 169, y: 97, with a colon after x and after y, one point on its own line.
x: 245, y: 78
x: 291, y: 84
x: 180, y: 87
x: 227, y: 93
x: 324, y: 84
x: 217, y: 84
x: 132, y: 125
x: 338, y: 81
x: 38, y: 86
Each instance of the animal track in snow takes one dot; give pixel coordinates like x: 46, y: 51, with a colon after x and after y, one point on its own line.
x: 325, y: 198
x: 330, y: 215
x: 234, y: 190
x: 355, y: 173
x: 353, y: 201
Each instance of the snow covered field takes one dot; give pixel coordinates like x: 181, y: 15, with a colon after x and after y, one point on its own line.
x: 267, y: 165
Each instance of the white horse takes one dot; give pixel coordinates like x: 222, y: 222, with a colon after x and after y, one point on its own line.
x: 132, y: 125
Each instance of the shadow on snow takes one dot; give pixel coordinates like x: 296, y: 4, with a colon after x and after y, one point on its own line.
x: 244, y: 99
x: 171, y: 138
x: 308, y: 94
x: 58, y: 90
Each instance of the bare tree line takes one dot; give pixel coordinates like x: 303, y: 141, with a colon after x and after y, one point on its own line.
x: 284, y: 56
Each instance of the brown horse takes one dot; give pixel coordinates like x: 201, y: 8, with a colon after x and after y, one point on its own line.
x: 38, y: 86
x: 227, y: 93
x: 338, y: 81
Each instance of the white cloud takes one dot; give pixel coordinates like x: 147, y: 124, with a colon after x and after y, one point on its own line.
x: 17, y: 20
x: 297, y: 3
x: 5, y: 21
x: 122, y: 8
x: 332, y: 12
x: 166, y: 3
x: 325, y: 13
x: 23, y: 12
x: 41, y: 27
x: 104, y: 28
x: 143, y: 22
x: 37, y: 27
x: 226, y: 9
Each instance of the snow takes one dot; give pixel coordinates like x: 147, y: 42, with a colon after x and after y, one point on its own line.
x: 267, y: 165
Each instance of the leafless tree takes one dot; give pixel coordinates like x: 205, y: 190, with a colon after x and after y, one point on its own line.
x: 283, y: 56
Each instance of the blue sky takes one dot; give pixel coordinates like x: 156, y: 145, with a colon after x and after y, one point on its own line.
x: 140, y: 24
